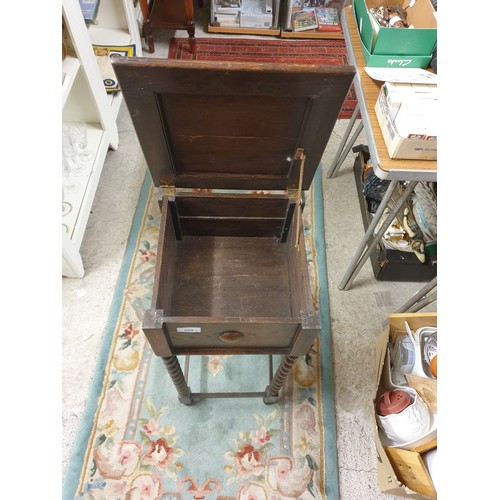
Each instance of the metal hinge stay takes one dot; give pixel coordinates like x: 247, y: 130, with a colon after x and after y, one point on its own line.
x: 299, y: 155
x: 168, y: 191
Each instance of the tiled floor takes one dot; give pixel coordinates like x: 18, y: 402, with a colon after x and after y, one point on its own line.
x: 357, y: 315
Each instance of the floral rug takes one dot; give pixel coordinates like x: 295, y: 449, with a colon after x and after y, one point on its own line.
x: 136, y: 441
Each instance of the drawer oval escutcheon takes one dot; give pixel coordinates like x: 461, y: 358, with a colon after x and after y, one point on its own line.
x: 231, y: 337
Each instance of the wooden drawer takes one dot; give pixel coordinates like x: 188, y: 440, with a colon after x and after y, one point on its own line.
x: 233, y: 281
x: 252, y: 334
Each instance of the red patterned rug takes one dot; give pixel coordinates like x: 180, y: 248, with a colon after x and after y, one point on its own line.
x: 269, y: 51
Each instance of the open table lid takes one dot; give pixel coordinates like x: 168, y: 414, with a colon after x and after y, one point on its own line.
x: 232, y: 125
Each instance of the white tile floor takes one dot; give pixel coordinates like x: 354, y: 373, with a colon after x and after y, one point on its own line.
x: 357, y: 315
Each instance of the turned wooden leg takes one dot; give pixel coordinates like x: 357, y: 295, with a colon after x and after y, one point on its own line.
x: 175, y: 372
x: 272, y: 390
x: 147, y: 31
x: 192, y: 39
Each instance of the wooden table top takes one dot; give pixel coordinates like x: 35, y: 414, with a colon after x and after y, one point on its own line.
x: 387, y: 168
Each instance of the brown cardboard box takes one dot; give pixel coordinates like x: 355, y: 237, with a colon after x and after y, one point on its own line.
x: 415, y: 147
x: 402, y: 472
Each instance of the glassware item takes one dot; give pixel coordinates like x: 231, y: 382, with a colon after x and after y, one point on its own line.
x: 67, y: 147
x: 75, y: 141
x: 77, y: 167
x: 75, y: 156
x: 78, y: 134
x: 70, y: 185
x: 66, y: 208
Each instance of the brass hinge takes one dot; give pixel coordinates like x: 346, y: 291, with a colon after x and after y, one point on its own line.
x: 299, y: 155
x: 168, y: 191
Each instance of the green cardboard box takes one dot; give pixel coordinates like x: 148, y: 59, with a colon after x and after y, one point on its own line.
x: 398, y: 47
x: 382, y: 61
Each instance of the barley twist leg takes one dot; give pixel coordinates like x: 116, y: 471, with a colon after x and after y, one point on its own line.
x: 272, y: 390
x: 175, y: 372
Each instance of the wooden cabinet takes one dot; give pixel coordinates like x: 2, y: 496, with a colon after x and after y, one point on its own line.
x: 232, y: 273
x: 85, y: 102
x: 167, y: 14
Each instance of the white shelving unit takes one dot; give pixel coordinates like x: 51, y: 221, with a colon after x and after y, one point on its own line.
x: 117, y: 24
x: 84, y: 99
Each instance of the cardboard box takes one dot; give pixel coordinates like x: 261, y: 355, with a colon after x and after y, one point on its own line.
x: 419, y: 40
x: 397, y: 47
x: 401, y: 472
x: 397, y: 94
x: 408, y: 124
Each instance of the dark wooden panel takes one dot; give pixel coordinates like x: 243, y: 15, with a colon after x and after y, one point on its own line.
x: 224, y: 115
x: 257, y: 227
x: 230, y: 277
x: 301, y: 298
x: 246, y: 124
x: 239, y: 139
x: 152, y: 326
x: 230, y: 350
x: 231, y: 205
x: 297, y: 266
x: 169, y: 14
x: 165, y: 260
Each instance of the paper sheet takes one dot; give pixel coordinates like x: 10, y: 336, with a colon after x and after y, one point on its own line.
x: 402, y: 75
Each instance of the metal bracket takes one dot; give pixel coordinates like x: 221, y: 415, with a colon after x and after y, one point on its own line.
x: 168, y: 191
x: 299, y: 155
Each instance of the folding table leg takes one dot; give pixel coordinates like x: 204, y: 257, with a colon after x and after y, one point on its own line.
x: 363, y: 252
x: 422, y: 298
x: 343, y: 149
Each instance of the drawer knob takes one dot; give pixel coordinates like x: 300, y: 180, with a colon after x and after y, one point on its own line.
x: 231, y: 337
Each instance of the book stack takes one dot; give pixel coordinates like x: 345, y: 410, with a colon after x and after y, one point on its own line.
x: 319, y: 15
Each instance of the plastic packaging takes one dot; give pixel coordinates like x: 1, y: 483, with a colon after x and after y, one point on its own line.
x: 402, y: 359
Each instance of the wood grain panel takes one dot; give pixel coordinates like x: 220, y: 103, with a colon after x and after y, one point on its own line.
x: 231, y: 276
x: 231, y: 205
x: 215, y: 124
x: 165, y: 260
x: 207, y: 226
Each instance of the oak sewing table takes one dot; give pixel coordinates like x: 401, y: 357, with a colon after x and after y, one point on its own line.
x: 231, y: 147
